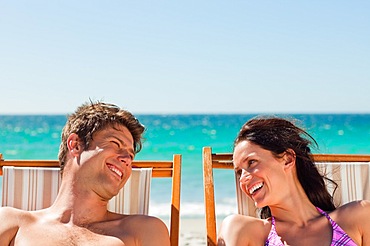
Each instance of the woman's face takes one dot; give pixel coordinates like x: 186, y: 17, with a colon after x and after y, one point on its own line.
x: 262, y: 173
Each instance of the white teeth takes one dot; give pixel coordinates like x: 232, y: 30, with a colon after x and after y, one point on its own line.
x: 255, y: 187
x: 114, y: 169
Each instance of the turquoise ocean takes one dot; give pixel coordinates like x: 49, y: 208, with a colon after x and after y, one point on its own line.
x: 38, y: 137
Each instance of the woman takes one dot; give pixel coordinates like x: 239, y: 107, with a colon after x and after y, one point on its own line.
x: 278, y: 174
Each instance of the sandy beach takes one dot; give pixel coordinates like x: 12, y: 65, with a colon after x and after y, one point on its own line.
x: 193, y: 231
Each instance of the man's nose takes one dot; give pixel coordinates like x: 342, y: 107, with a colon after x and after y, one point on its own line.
x: 125, y: 159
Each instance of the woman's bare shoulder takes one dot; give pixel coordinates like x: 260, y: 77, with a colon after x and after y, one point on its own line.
x: 355, y: 208
x: 351, y: 213
x: 353, y: 218
x: 243, y: 230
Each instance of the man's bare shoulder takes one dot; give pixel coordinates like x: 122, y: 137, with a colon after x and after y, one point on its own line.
x: 148, y: 229
x: 11, y: 220
x: 142, y: 219
x: 18, y: 216
x: 14, y: 216
x: 243, y: 230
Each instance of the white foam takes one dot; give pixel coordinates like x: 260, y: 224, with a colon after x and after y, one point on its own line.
x: 191, y: 209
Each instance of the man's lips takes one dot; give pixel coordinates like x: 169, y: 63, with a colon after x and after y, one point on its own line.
x: 115, y: 170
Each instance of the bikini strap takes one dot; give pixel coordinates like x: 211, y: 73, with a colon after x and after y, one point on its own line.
x: 326, y: 215
x: 340, y: 237
x: 273, y: 238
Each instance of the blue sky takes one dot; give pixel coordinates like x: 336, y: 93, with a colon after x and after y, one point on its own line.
x: 185, y: 57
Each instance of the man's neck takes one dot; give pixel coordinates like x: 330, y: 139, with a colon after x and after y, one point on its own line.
x: 78, y: 207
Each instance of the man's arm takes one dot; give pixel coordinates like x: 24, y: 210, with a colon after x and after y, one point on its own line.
x: 149, y: 230
x: 156, y: 233
x: 8, y: 225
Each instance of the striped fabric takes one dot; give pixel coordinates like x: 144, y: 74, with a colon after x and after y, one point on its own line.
x: 134, y: 197
x: 30, y: 188
x: 353, y: 179
x: 34, y: 188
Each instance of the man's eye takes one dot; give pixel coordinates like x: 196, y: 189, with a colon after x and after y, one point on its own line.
x: 251, y: 162
x: 116, y: 143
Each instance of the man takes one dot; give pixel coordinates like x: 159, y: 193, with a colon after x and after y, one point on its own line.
x: 99, y: 142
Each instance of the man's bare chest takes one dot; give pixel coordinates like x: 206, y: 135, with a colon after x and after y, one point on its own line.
x: 66, y: 235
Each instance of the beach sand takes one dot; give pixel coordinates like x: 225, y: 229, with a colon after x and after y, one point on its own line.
x: 193, y: 231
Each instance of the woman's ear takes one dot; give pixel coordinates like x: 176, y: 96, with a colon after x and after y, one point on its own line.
x: 74, y: 144
x: 289, y: 158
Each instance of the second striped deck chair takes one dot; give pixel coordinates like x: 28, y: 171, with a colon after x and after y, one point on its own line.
x: 351, y: 172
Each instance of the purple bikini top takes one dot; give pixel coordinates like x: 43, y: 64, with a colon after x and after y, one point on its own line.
x: 340, y: 238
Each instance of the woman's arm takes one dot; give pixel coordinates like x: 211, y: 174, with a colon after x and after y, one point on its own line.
x: 364, y: 225
x: 243, y: 230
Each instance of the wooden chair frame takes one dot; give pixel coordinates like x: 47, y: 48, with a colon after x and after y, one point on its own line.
x: 225, y: 161
x: 161, y: 169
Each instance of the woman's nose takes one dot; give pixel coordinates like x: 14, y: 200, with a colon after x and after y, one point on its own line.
x: 244, y: 177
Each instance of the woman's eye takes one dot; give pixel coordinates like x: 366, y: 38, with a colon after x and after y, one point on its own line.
x: 251, y: 162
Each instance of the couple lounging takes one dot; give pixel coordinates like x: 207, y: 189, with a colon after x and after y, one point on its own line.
x: 99, y: 143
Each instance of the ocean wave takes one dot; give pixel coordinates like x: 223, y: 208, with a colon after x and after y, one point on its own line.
x: 191, y: 209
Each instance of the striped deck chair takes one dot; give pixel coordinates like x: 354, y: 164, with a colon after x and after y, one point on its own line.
x: 351, y: 172
x: 37, y: 183
x: 34, y: 188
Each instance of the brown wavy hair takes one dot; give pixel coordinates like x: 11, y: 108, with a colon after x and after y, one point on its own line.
x: 278, y: 135
x: 92, y: 117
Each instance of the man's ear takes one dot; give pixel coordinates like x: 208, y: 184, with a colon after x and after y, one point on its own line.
x: 74, y: 144
x: 289, y: 158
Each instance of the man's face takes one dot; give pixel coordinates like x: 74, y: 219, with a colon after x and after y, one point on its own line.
x: 106, y: 164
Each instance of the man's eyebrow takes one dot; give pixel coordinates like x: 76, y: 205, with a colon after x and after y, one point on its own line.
x: 131, y: 150
x: 120, y: 140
